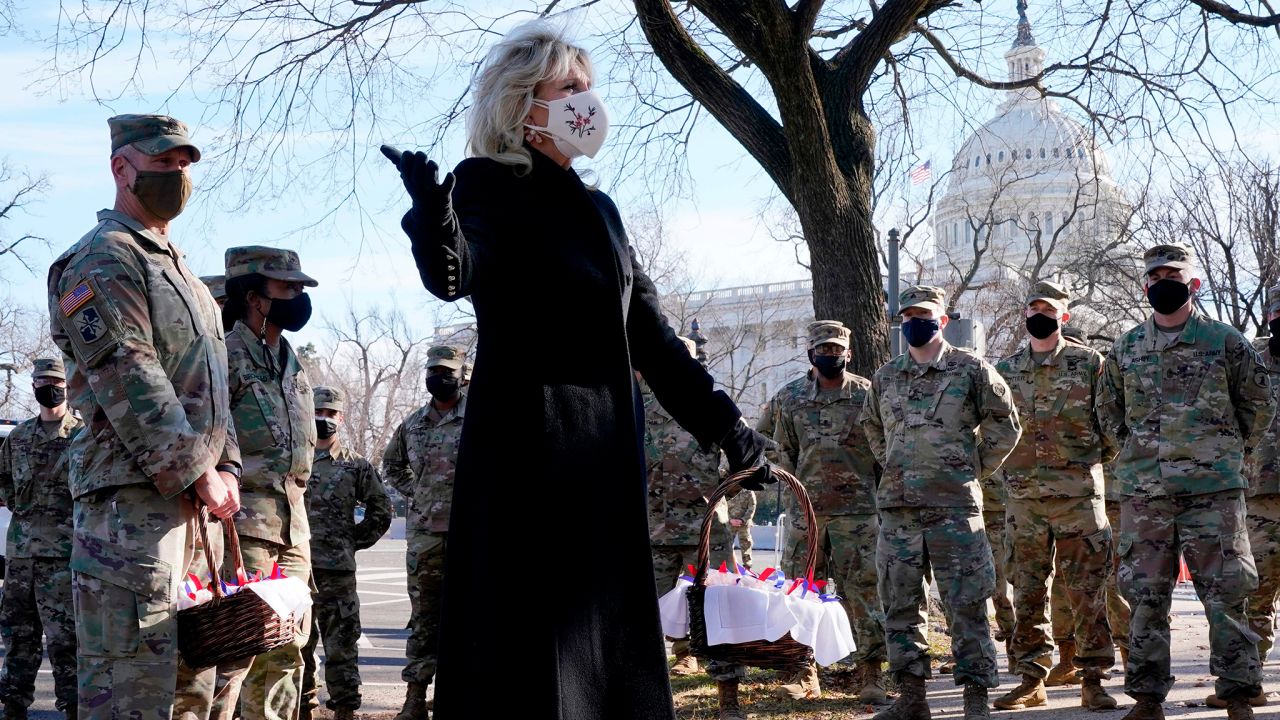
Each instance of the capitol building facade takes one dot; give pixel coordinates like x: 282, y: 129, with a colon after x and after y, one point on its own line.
x: 1030, y: 196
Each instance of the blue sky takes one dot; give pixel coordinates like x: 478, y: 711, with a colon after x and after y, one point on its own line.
x: 362, y: 257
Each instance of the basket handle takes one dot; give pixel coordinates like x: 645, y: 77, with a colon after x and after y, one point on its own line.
x: 734, y: 481
x: 231, y: 544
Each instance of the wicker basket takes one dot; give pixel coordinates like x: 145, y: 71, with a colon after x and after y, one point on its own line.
x: 782, y: 654
x: 229, y: 628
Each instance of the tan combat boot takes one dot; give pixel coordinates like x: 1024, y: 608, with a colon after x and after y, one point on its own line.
x: 1214, y: 701
x: 1029, y: 694
x: 687, y: 665
x: 872, y: 691
x: 729, y: 708
x: 1064, y: 673
x: 1238, y: 708
x: 804, y: 686
x: 1147, y: 708
x: 344, y: 713
x: 1092, y: 695
x: 975, y: 703
x: 911, y: 703
x: 415, y: 702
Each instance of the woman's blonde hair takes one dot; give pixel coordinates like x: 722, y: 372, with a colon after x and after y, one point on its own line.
x: 503, y: 91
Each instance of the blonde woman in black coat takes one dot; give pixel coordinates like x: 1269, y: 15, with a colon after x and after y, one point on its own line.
x: 553, y: 431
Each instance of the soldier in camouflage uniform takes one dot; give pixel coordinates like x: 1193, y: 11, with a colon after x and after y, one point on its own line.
x: 341, y: 480
x: 37, y: 579
x: 148, y: 372
x: 681, y: 478
x: 271, y: 402
x: 1056, y: 514
x: 821, y: 441
x: 1262, y: 470
x: 419, y: 463
x: 941, y: 421
x: 1186, y: 400
x: 742, y: 508
x: 217, y: 285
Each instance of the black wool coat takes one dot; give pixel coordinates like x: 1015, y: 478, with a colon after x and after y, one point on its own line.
x: 549, y: 609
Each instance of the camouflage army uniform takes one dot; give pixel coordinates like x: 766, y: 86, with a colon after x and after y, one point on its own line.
x: 743, y: 507
x: 921, y: 420
x: 1056, y: 512
x: 340, y: 481
x: 275, y: 424
x: 993, y: 519
x: 681, y: 478
x: 148, y: 371
x: 1263, y: 471
x: 419, y: 463
x: 1117, y: 607
x: 821, y: 441
x: 1183, y: 412
x: 37, y: 580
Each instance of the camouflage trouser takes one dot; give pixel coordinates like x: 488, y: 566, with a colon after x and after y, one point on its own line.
x: 951, y: 542
x: 267, y: 686
x: 995, y: 524
x: 335, y: 618
x: 1117, y: 606
x: 1071, y: 534
x: 1212, y: 534
x: 425, y: 564
x: 745, y: 542
x: 37, y: 601
x: 1061, y: 622
x: 131, y: 550
x: 1264, y: 538
x: 669, y: 563
x: 847, y: 555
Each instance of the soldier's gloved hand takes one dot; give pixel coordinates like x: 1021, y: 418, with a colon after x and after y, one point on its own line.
x: 432, y: 199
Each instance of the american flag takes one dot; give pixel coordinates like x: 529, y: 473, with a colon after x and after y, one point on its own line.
x: 922, y: 173
x: 74, y: 299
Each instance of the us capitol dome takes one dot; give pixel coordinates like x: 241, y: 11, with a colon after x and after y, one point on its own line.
x: 1031, y: 177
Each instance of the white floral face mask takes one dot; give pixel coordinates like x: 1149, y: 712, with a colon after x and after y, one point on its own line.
x: 578, y: 124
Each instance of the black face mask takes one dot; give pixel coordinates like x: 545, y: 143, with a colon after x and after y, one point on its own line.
x: 919, y: 331
x: 326, y: 428
x: 829, y: 366
x: 1273, y: 343
x: 1166, y: 296
x: 442, y: 387
x: 292, y: 314
x: 1041, y: 326
x: 51, y: 396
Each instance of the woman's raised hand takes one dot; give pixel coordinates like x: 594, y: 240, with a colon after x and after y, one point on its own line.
x: 421, y: 177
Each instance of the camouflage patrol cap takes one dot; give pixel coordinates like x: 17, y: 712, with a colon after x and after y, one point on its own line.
x: 691, y: 345
x: 327, y: 398
x: 1174, y: 255
x: 828, y: 331
x: 150, y: 134
x: 274, y: 263
x: 1051, y: 292
x: 50, y: 367
x: 922, y: 296
x: 1273, y: 299
x: 449, y: 356
x: 217, y: 285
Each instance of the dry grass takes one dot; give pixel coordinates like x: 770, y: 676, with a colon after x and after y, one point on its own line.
x: 695, y: 697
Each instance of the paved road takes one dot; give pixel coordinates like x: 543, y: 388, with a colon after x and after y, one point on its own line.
x: 385, y: 611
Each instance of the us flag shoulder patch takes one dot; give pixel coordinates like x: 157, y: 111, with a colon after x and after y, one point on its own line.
x: 73, y: 300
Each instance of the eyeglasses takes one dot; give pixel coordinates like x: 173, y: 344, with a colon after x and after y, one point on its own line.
x: 829, y: 349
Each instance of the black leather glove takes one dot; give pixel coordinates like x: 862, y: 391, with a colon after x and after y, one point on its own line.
x: 432, y: 205
x: 744, y: 448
